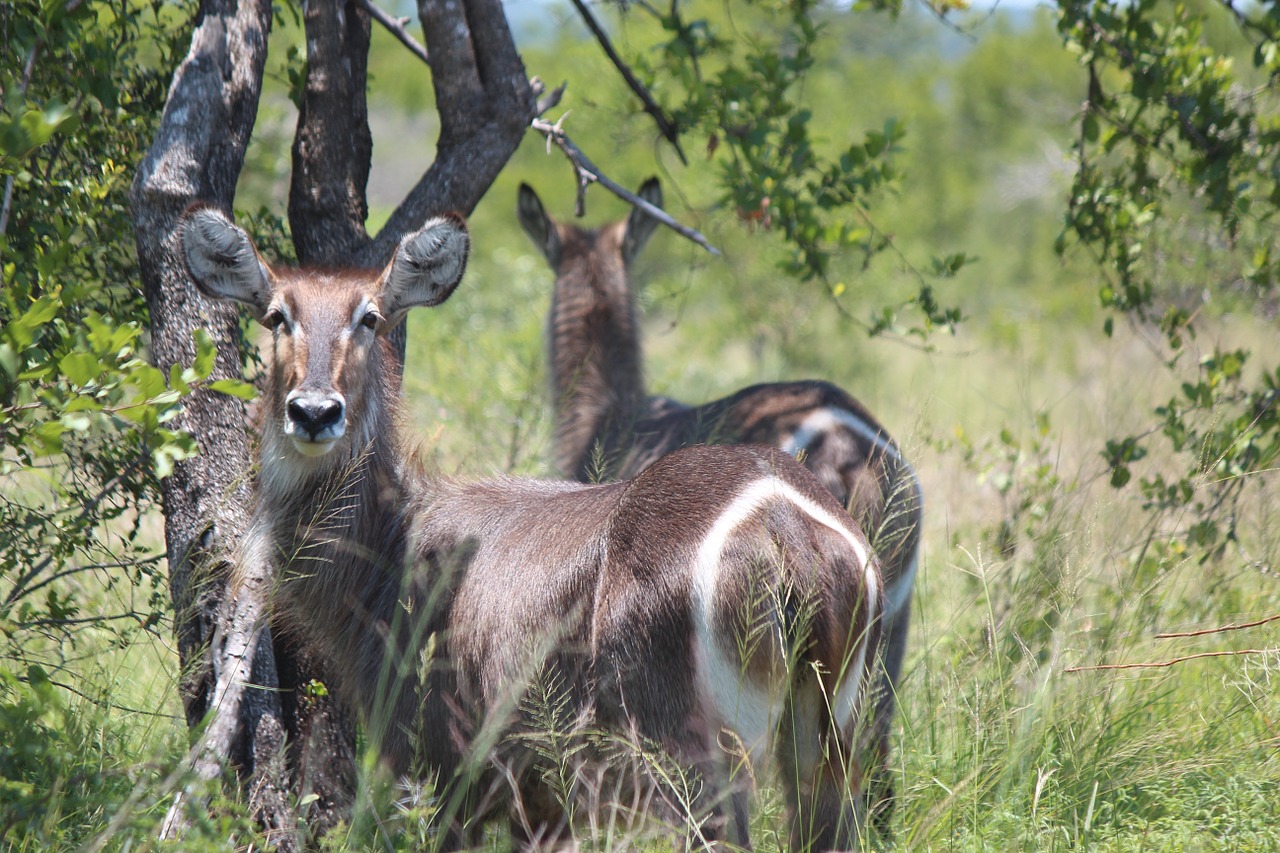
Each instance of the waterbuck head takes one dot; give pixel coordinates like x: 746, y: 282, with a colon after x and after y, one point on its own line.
x: 567, y: 246
x: 329, y: 350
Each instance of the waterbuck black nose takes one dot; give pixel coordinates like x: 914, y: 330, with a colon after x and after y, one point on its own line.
x: 314, y: 414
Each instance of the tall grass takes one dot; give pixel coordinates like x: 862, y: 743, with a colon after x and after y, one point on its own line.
x: 1032, y: 565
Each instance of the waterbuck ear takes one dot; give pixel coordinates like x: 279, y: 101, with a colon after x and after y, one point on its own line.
x: 222, y: 260
x: 427, y: 266
x: 640, y: 225
x: 540, y: 227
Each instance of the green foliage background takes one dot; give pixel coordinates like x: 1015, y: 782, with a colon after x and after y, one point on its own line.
x: 1089, y: 483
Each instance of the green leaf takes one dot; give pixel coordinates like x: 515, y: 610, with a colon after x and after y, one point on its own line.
x: 148, y: 380
x: 76, y: 421
x: 206, y: 354
x: 81, y: 368
x: 48, y: 437
x: 21, y: 332
x: 83, y: 404
x: 179, y: 378
x: 174, y: 447
x: 9, y: 360
x: 1090, y: 127
x: 235, y: 388
x: 163, y: 461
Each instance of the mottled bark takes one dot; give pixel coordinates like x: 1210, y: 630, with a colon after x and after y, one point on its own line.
x: 485, y: 104
x: 332, y: 147
x: 197, y: 155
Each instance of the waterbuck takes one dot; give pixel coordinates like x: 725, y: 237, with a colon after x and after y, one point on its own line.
x: 607, y: 426
x: 720, y: 601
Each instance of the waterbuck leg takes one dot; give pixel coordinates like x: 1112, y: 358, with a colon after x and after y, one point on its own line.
x: 821, y: 776
x: 879, y: 760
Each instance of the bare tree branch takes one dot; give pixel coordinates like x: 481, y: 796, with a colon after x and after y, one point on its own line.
x: 551, y: 100
x: 665, y: 124
x: 241, y: 635
x: 396, y: 26
x: 485, y: 102
x: 586, y: 173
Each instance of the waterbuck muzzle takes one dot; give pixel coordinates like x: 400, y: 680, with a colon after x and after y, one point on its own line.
x: 315, y: 420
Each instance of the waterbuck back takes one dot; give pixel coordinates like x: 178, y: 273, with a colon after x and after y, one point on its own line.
x: 607, y: 426
x: 527, y: 643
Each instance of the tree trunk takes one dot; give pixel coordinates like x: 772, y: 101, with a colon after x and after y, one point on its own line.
x: 197, y: 155
x: 486, y: 104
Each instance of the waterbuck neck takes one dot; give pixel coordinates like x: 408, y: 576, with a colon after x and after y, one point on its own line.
x: 594, y: 341
x: 339, y: 520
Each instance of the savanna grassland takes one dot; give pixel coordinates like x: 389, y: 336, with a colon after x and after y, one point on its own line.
x: 1037, y: 573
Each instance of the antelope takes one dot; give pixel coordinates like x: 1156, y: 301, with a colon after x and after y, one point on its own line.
x: 607, y: 426
x: 721, y: 597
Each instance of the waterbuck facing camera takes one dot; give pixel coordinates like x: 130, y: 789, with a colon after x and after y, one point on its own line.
x: 717, y: 608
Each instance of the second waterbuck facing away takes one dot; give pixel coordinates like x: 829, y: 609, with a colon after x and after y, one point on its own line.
x: 606, y: 426
x: 719, y: 603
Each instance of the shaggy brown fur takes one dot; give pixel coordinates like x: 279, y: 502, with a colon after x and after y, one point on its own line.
x: 722, y: 589
x: 608, y: 427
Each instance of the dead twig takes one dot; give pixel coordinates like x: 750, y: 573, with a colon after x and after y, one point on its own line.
x: 586, y: 173
x: 1220, y: 630
x: 665, y: 125
x: 396, y: 26
x: 552, y: 99
x: 1165, y: 663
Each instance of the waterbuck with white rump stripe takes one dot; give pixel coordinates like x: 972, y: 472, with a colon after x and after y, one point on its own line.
x: 721, y: 589
x: 607, y: 426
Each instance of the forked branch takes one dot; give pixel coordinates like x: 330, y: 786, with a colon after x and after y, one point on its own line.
x: 587, y: 173
x: 549, y: 100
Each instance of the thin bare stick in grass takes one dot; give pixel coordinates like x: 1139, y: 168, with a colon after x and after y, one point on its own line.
x: 1219, y: 630
x: 1165, y: 663
x: 587, y: 173
x: 665, y: 124
x: 112, y: 706
x: 91, y: 567
x: 21, y: 587
x: 396, y: 26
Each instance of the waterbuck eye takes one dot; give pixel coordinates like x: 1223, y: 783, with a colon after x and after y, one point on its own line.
x: 370, y: 319
x: 273, y: 318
